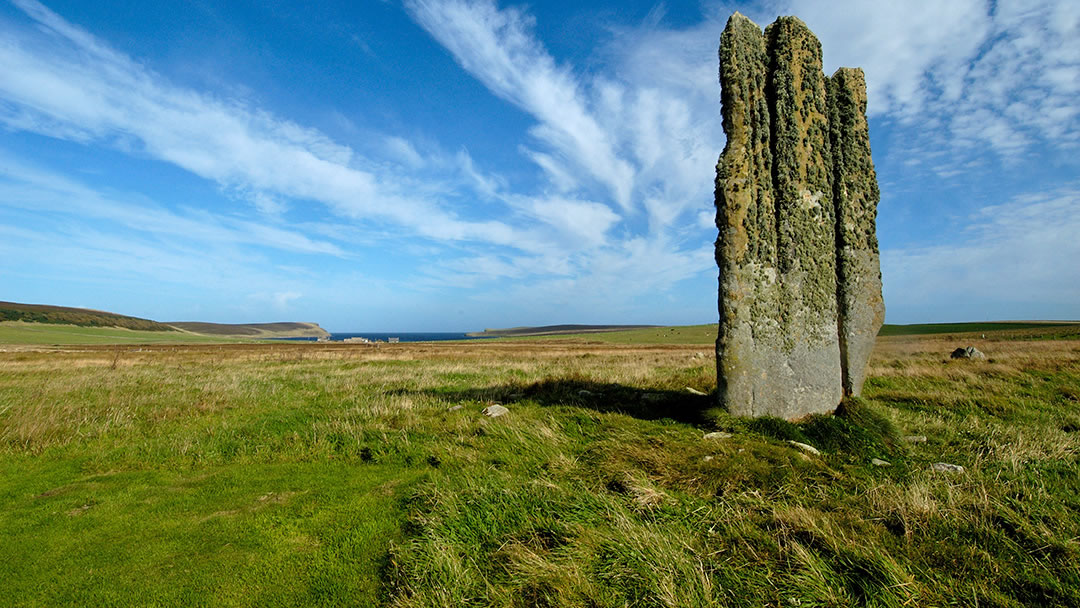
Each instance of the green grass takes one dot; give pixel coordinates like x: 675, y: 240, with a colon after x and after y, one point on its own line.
x: 206, y: 536
x: 685, y: 334
x: 18, y: 332
x: 956, y: 328
x: 705, y: 335
x: 283, y: 475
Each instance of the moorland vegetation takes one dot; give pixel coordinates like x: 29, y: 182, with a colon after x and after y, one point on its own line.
x: 333, y: 474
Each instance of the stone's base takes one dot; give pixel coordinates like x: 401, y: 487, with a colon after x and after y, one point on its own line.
x: 764, y: 380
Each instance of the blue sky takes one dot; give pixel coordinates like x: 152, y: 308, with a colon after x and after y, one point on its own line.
x: 457, y: 164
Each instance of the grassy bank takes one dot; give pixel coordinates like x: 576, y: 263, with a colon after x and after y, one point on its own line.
x: 19, y: 332
x: 286, y: 474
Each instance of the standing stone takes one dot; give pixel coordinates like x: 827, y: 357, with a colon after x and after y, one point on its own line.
x: 746, y: 221
x: 855, y: 189
x: 806, y: 240
x: 795, y: 300
x: 778, y: 349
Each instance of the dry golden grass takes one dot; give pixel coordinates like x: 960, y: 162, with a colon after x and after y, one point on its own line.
x: 925, y: 356
x: 598, y: 488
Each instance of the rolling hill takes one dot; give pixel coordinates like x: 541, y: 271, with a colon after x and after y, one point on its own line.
x: 22, y: 314
x: 253, y: 330
x: 82, y: 317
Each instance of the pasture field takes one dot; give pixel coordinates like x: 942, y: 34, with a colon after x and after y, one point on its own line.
x: 20, y: 332
x: 292, y: 474
x: 706, y: 334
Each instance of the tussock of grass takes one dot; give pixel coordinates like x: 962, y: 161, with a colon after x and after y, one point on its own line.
x: 334, y: 475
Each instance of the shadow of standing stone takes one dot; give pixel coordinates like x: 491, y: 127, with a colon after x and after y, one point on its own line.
x: 796, y: 248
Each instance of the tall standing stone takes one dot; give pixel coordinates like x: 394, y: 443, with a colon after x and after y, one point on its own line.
x: 782, y: 331
x: 746, y: 220
x: 806, y: 242
x: 855, y: 189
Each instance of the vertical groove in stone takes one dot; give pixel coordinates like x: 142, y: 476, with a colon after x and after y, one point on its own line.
x: 861, y: 308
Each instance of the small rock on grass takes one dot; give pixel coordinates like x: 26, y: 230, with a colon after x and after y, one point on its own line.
x: 717, y: 435
x: 968, y: 352
x: 944, y: 467
x: 496, y: 410
x: 456, y: 408
x: 877, y: 462
x: 809, y: 449
x: 915, y: 438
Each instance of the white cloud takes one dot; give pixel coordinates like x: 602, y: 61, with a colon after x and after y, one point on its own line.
x: 651, y: 135
x: 33, y: 189
x: 404, y: 151
x: 583, y: 221
x: 1016, y: 256
x: 1003, y: 74
x: 282, y: 298
x: 498, y: 48
x: 63, y: 82
x: 268, y: 204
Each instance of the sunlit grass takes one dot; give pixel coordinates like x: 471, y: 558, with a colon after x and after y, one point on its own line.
x: 304, y: 474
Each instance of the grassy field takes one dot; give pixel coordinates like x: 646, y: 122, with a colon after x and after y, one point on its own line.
x: 1014, y: 327
x: 706, y: 334
x: 19, y: 332
x: 311, y: 474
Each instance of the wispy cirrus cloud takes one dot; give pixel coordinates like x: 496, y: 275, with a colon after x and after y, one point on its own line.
x: 962, y: 74
x: 648, y: 135
x: 649, y: 138
x: 65, y: 83
x: 32, y: 189
x: 498, y: 48
x: 1019, y: 255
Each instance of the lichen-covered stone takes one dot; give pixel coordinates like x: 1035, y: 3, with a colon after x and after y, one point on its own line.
x: 745, y: 219
x: 855, y: 190
x: 794, y: 292
x: 806, y: 243
x: 777, y: 350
